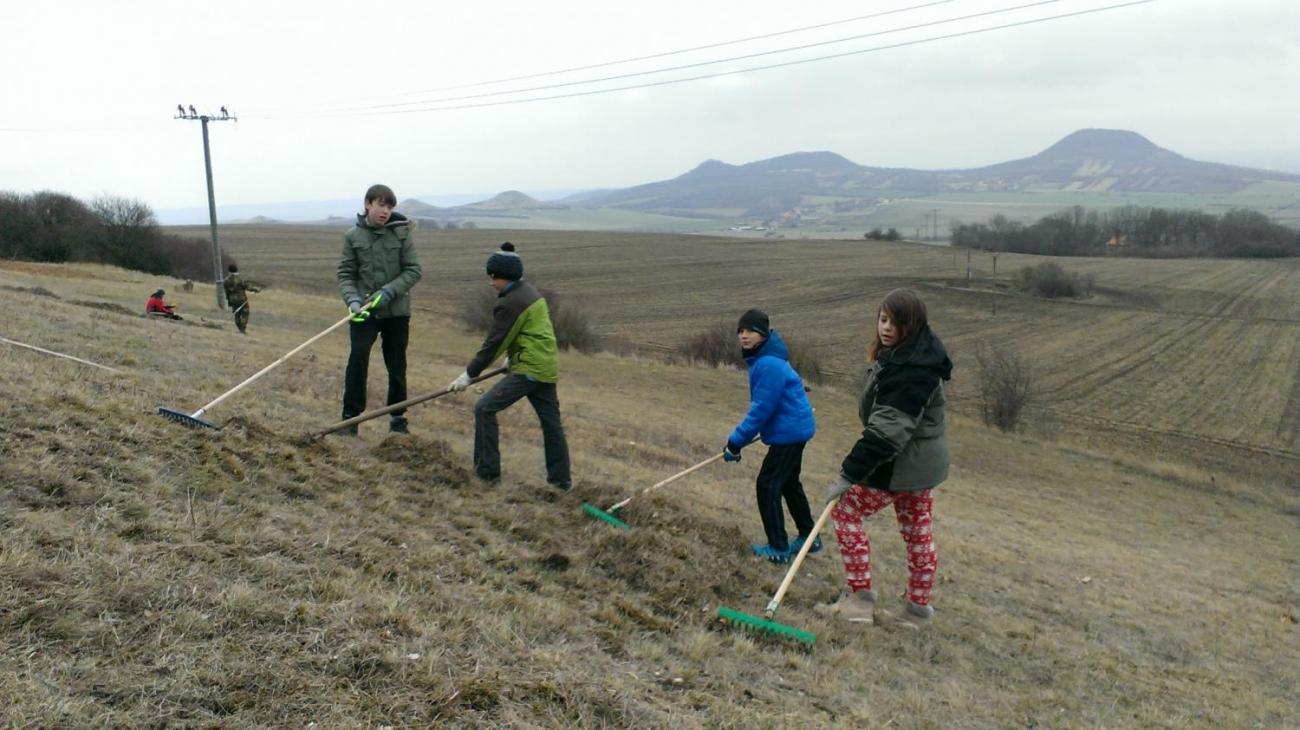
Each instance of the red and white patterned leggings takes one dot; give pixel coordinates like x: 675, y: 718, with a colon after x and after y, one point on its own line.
x: 914, y: 522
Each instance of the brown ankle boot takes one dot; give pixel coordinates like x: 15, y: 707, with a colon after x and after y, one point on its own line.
x: 858, y: 607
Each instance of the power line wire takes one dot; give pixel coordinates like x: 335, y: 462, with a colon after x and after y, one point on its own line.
x: 734, y: 72
x: 664, y: 54
x: 698, y: 64
x: 692, y: 49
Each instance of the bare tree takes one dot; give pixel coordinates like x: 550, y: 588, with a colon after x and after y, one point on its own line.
x: 1007, y: 386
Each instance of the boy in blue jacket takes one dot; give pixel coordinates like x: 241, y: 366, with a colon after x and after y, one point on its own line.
x: 780, y: 415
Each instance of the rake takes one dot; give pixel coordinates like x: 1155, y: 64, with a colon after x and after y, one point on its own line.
x: 765, y: 622
x: 397, y: 406
x: 608, y: 515
x: 195, y: 420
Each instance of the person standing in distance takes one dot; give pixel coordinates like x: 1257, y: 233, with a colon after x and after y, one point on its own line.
x: 237, y: 297
x: 521, y: 330
x: 378, y: 264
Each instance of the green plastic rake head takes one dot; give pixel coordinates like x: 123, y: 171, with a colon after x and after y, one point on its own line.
x: 745, y: 620
x: 601, y: 514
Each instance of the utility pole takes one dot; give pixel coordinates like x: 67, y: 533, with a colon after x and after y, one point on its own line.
x: 224, y: 116
x: 936, y: 224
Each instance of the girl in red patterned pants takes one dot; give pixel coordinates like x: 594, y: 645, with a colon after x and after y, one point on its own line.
x: 901, y: 456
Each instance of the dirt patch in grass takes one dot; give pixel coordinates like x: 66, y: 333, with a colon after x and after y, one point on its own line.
x: 427, y: 457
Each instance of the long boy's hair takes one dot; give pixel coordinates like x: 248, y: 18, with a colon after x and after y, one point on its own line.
x: 383, y: 194
x: 908, y: 313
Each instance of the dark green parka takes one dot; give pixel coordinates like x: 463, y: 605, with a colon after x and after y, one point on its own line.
x: 903, y: 447
x: 377, y: 256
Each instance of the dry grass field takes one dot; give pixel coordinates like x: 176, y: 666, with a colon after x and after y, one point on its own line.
x: 155, y: 576
x: 1181, y: 360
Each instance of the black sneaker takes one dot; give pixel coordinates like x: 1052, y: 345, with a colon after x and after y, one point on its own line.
x: 397, y: 425
x: 562, y: 486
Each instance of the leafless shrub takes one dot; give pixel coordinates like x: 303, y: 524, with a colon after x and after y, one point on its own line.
x: 476, y: 310
x: 1051, y: 281
x: 806, y: 360
x: 1007, y: 387
x: 572, y: 323
x: 715, y: 345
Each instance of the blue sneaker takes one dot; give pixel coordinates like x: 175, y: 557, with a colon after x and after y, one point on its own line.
x: 771, y: 554
x: 797, y: 545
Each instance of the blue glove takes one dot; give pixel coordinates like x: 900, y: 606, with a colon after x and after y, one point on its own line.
x: 386, y: 294
x: 731, y: 453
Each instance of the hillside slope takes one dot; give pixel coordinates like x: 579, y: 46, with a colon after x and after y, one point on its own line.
x: 156, y: 575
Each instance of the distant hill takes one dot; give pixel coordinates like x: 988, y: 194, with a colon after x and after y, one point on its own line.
x: 509, y: 204
x: 1089, y: 160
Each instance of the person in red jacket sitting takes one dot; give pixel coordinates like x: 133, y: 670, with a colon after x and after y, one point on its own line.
x: 156, y: 305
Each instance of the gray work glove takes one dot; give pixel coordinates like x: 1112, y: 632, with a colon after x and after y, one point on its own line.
x: 359, y: 312
x: 387, y: 293
x: 838, y: 488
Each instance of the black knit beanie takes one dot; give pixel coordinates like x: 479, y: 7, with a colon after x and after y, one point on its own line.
x: 506, y: 264
x: 754, y: 320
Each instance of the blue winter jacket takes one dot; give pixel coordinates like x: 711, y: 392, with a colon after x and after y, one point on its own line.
x: 779, y: 412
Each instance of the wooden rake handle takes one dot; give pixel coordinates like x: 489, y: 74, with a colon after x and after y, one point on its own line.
x: 369, y: 305
x: 270, y: 367
x: 803, y: 553
x: 397, y: 406
x: 667, y: 481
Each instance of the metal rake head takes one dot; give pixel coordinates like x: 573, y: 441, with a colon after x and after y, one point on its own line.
x: 186, y: 419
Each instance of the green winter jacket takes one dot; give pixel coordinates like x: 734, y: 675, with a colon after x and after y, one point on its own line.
x: 903, y: 447
x: 375, y: 257
x: 521, y: 329
x: 236, y: 290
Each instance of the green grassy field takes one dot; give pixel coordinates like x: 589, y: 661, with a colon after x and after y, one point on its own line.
x: 152, y: 575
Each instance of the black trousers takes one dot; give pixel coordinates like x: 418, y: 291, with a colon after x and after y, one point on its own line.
x: 395, y: 333
x: 545, y: 401
x: 778, y: 478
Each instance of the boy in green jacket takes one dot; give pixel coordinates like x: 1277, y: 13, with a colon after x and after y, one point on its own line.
x: 378, y: 260
x: 521, y: 330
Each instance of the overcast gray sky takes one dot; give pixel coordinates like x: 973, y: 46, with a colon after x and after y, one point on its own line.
x: 90, y: 88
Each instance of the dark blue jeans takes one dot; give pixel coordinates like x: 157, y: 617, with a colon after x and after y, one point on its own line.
x: 544, y: 400
x: 778, y: 478
x: 395, y: 332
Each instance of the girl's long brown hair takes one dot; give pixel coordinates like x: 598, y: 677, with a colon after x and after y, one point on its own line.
x: 908, y: 313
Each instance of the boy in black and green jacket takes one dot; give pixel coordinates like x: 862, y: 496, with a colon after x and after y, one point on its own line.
x: 521, y: 330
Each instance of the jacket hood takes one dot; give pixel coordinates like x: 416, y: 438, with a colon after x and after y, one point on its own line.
x: 395, y: 220
x: 924, y: 350
x: 773, y: 346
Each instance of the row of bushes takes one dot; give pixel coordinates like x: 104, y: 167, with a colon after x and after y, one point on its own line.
x: 1007, y: 383
x: 48, y: 226
x: 1135, y: 231
x: 575, y: 329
